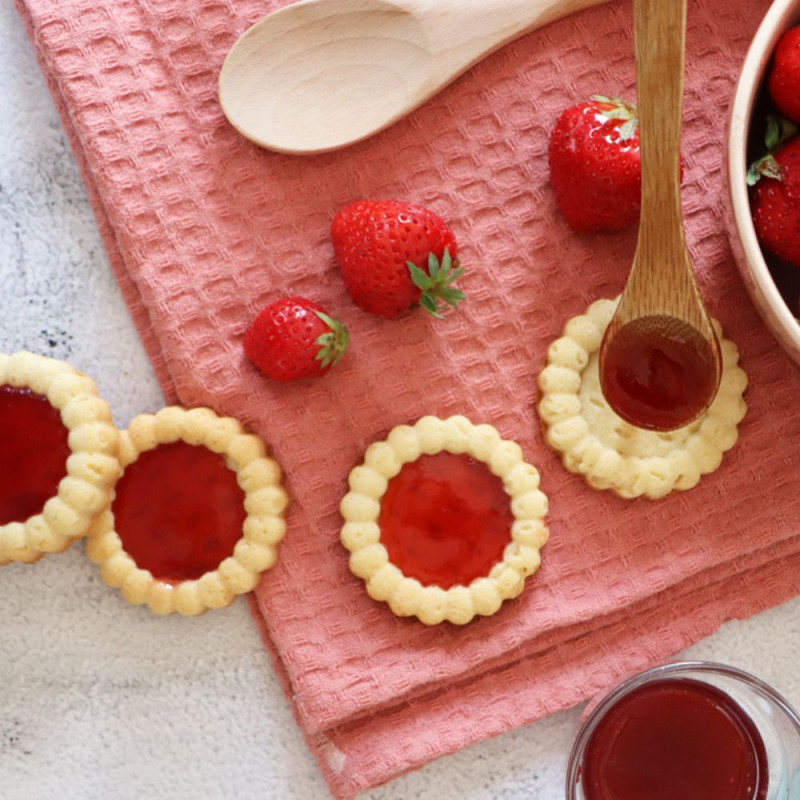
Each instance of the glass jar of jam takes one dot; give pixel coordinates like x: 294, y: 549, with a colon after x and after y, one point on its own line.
x: 688, y: 731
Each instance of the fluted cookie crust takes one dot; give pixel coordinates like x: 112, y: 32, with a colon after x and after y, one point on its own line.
x: 265, y: 500
x: 90, y: 470
x: 607, y: 451
x: 361, y: 533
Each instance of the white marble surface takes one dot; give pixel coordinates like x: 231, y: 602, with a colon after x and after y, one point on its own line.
x: 102, y: 700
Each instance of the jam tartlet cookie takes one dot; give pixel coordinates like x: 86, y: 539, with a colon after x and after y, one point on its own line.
x: 607, y: 451
x: 444, y: 520
x: 196, y: 515
x: 58, y: 455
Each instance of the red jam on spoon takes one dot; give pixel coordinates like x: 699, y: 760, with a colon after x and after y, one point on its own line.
x: 178, y: 511
x: 445, y: 520
x: 658, y: 373
x: 675, y: 739
x: 33, y: 453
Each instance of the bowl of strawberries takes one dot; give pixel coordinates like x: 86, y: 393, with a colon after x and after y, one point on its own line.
x: 763, y: 166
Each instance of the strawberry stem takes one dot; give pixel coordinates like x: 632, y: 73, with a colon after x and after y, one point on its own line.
x: 779, y: 130
x: 438, y: 293
x: 617, y: 108
x: 333, y: 344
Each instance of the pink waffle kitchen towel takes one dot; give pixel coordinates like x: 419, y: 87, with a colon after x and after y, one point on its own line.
x: 203, y: 229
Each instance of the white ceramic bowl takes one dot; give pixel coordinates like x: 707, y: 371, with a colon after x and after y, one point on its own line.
x: 753, y: 264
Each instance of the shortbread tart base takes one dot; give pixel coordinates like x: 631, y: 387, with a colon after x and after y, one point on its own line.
x: 608, y: 452
x: 361, y: 533
x: 90, y: 469
x: 265, y: 500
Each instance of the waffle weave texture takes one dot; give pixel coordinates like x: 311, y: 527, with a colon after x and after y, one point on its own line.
x: 203, y: 229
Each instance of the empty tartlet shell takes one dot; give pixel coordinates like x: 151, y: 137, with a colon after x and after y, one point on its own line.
x: 92, y: 466
x: 608, y: 452
x: 265, y: 500
x: 361, y: 534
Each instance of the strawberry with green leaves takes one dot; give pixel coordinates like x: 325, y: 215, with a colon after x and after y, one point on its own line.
x: 294, y: 338
x: 394, y: 256
x: 775, y: 195
x: 783, y: 79
x: 595, y: 165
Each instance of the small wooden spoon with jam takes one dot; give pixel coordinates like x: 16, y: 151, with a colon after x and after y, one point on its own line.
x: 660, y: 361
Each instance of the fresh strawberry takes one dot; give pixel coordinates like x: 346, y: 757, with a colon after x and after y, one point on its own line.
x: 595, y: 165
x: 783, y: 80
x: 394, y: 256
x: 294, y: 338
x: 775, y: 197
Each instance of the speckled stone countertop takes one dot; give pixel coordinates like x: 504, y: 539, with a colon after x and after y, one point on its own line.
x: 102, y: 700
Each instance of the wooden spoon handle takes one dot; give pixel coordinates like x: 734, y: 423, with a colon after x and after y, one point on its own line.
x: 660, y: 30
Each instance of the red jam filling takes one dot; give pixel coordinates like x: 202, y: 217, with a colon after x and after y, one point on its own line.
x: 178, y: 511
x: 675, y: 739
x: 658, y: 373
x: 445, y: 520
x: 33, y: 453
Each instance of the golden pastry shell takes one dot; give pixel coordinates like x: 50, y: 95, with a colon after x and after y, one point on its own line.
x: 361, y: 535
x: 91, y: 469
x: 259, y: 477
x: 608, y: 452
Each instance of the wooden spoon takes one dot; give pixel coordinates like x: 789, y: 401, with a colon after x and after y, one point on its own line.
x: 660, y: 362
x: 317, y: 75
